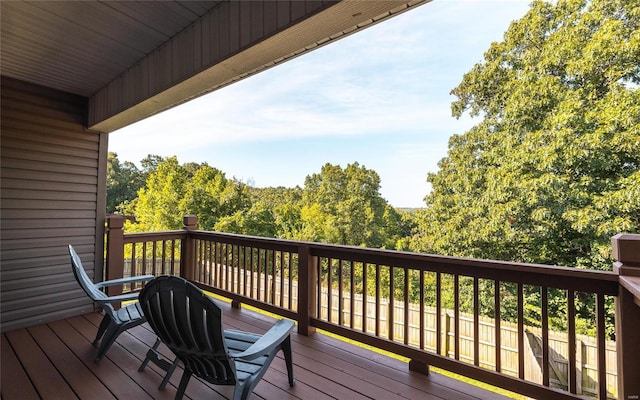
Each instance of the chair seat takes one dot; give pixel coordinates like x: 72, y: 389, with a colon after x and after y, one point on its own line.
x: 130, y: 312
x: 237, y: 341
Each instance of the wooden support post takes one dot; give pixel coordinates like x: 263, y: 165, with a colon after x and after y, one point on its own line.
x: 626, y: 252
x: 188, y: 251
x: 115, y: 253
x: 307, y: 290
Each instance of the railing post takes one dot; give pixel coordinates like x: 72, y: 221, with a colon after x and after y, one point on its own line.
x: 626, y: 252
x: 115, y: 252
x: 188, y: 250
x: 307, y: 290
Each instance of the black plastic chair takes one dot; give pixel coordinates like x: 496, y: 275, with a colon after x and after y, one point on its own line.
x: 189, y: 323
x: 115, y: 321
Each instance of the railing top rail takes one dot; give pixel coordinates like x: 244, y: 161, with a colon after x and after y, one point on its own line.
x: 246, y: 240
x: 135, y: 237
x: 399, y: 258
x: 560, y: 277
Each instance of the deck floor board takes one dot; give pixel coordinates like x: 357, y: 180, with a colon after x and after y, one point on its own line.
x: 55, y: 360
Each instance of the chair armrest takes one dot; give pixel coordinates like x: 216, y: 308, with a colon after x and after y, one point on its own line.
x: 273, y: 338
x: 120, y: 297
x: 124, y: 281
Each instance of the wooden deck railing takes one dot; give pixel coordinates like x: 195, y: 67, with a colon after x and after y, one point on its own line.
x: 383, y: 299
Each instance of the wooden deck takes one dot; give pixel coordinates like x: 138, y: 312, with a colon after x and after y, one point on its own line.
x: 55, y: 361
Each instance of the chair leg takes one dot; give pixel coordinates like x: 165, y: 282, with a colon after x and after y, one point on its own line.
x: 154, y: 356
x: 166, y: 378
x: 288, y: 358
x: 107, y: 340
x: 151, y: 353
x: 241, y: 392
x: 183, y: 384
x: 106, y: 320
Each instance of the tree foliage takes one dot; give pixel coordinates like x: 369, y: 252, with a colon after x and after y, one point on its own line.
x: 157, y: 206
x: 551, y: 171
x: 344, y: 206
x: 173, y: 190
x: 336, y: 205
x: 123, y: 182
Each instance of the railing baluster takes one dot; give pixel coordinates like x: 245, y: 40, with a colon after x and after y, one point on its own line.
x: 259, y: 275
x: 439, y: 313
x: 571, y: 341
x: 291, y: 281
x: 406, y: 305
x: 265, y: 282
x: 273, y: 277
x: 352, y: 299
x: 377, y: 299
x: 319, y: 291
x: 392, y: 307
x: 220, y: 265
x: 601, y: 333
x: 252, y: 278
x: 340, y: 294
x: 497, y: 325
x: 244, y: 270
x: 212, y: 264
x: 227, y: 275
x: 235, y: 268
x: 476, y: 323
x: 330, y: 290
x: 520, y: 331
x: 281, y: 275
x: 365, y: 298
x: 163, y: 270
x: 144, y: 258
x: 153, y: 257
x: 545, y: 335
x: 173, y: 257
x: 134, y: 268
x: 201, y: 262
x: 422, y: 313
x: 456, y: 316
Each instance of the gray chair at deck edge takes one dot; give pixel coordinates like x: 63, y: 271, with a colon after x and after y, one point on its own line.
x: 114, y: 321
x: 189, y: 323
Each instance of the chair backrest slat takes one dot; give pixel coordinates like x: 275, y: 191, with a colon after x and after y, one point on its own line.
x: 190, y: 324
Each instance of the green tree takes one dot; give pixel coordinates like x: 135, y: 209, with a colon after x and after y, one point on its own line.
x: 344, y: 206
x: 123, y: 182
x: 150, y: 163
x: 256, y: 221
x: 211, y: 195
x: 551, y: 172
x: 157, y: 206
x: 285, y: 204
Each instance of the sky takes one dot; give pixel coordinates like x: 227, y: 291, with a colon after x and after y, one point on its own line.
x: 379, y: 97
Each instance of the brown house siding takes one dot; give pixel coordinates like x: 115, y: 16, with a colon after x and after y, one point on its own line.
x: 52, y: 188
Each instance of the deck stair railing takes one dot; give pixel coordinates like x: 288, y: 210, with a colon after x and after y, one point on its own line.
x: 446, y: 312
